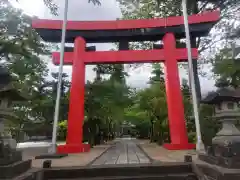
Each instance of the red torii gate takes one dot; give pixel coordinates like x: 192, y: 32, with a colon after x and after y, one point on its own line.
x: 169, y: 55
x: 126, y: 31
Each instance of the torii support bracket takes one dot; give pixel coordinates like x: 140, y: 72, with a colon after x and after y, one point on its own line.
x: 169, y: 55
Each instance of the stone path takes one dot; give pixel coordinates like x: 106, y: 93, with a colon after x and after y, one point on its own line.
x: 124, y: 151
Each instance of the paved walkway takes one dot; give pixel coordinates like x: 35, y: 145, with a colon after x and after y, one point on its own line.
x: 124, y: 151
x: 121, y: 151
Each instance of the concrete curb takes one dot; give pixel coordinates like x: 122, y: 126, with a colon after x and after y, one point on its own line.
x: 146, y: 154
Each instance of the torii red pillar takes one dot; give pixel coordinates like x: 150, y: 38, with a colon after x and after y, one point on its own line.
x: 76, y: 104
x: 176, y: 118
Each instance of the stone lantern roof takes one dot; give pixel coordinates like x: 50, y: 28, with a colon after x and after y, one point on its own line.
x: 7, y: 91
x: 221, y: 95
x: 10, y: 93
x: 5, y: 77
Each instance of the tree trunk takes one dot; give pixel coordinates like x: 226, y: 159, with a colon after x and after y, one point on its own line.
x: 152, y: 132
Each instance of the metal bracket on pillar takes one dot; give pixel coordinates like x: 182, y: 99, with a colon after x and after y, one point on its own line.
x: 123, y: 45
x: 88, y: 49
x: 178, y: 45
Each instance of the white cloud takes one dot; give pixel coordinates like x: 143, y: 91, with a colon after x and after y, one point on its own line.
x: 82, y: 10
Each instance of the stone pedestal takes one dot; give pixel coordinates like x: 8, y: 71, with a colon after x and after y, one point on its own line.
x: 207, y: 171
x: 11, y: 163
x: 8, y: 153
x: 225, y: 149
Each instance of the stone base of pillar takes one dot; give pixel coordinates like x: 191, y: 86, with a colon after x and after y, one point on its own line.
x: 73, y: 148
x: 213, y: 172
x: 226, y: 162
x: 179, y: 146
x: 13, y: 170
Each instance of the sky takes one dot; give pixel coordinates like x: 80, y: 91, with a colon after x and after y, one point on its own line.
x: 82, y: 10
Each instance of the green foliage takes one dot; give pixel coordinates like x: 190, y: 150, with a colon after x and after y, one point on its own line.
x: 138, y: 117
x: 52, y: 6
x: 25, y: 55
x: 44, y: 98
x: 17, y: 37
x: 140, y: 9
x: 149, y: 110
x: 21, y: 51
x: 157, y: 74
x: 62, y: 130
x: 226, y: 68
x: 209, y: 125
x: 105, y: 100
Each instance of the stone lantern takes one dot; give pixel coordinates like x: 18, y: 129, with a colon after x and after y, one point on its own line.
x: 8, y: 152
x: 225, y: 149
x: 11, y: 163
x: 8, y: 95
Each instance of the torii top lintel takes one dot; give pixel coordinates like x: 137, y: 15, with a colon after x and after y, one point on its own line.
x: 130, y: 30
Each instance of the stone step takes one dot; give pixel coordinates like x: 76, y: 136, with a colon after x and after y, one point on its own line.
x: 15, y: 169
x: 188, y: 176
x: 118, y: 170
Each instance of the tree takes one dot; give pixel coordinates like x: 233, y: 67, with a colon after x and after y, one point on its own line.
x: 226, y: 67
x: 157, y: 74
x: 23, y: 54
x: 17, y: 37
x: 138, y: 9
x: 137, y: 116
x: 209, y: 125
x: 45, y: 97
x: 105, y: 100
x: 21, y: 48
x: 188, y: 110
x: 150, y: 104
x: 149, y: 112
